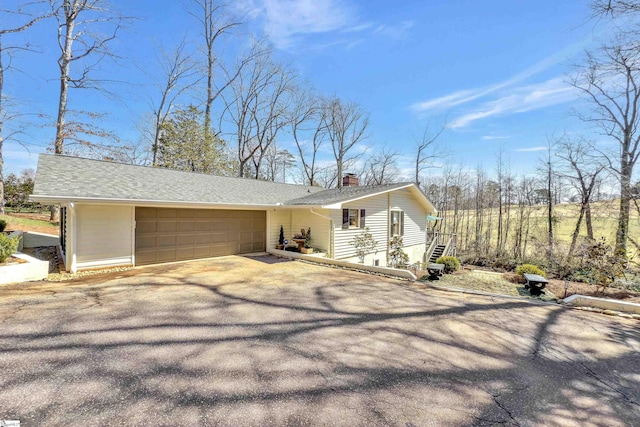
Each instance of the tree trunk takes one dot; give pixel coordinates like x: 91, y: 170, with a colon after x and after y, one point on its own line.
x: 587, y: 213
x: 576, y: 231
x: 623, y: 216
x: 64, y: 63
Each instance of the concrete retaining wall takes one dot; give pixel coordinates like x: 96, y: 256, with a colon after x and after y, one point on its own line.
x: 20, y: 234
x: 33, y: 240
x: 403, y: 274
x: 33, y: 269
x: 605, y: 304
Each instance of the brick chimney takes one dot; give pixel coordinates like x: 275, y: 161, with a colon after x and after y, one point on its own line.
x: 350, y: 180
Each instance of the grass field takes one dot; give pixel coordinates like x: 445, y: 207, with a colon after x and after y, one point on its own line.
x: 604, y: 218
x: 31, y: 222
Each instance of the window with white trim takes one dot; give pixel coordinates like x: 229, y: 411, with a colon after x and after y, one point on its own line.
x: 396, y: 227
x: 353, y: 218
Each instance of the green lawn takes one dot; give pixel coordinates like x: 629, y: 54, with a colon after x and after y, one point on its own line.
x: 30, y: 224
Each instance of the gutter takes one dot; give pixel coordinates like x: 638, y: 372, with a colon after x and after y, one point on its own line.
x: 146, y: 202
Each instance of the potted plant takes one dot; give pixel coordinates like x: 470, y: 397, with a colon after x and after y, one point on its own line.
x: 307, y: 249
x: 280, y: 244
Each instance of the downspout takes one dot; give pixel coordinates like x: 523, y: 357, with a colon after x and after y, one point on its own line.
x: 71, y: 243
x: 388, y: 225
x: 330, y: 248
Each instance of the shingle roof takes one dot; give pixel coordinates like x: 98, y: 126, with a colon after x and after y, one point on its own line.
x: 73, y: 177
x: 337, y: 195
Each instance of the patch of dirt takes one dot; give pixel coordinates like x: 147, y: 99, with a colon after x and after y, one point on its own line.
x: 46, y: 253
x: 558, y: 289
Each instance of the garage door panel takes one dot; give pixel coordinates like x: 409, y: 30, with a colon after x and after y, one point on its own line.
x: 144, y: 242
x: 167, y: 213
x: 185, y: 253
x: 165, y: 255
x: 187, y: 239
x: 202, y: 252
x: 146, y: 226
x: 202, y: 225
x: 202, y: 239
x: 142, y: 213
x: 186, y: 226
x: 168, y: 234
x: 164, y: 241
x: 167, y: 226
x: 144, y: 257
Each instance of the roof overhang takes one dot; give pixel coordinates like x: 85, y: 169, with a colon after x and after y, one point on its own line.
x: 57, y: 200
x: 417, y: 193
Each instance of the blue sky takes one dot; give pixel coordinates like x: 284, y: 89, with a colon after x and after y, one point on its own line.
x: 495, y: 71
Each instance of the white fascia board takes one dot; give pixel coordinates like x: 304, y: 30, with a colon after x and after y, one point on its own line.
x: 355, y: 199
x: 154, y: 203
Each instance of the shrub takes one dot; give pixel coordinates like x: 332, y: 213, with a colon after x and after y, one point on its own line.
x: 281, y: 237
x: 307, y: 239
x: 451, y: 263
x: 3, y: 225
x: 8, y: 245
x: 523, y: 269
x: 364, y: 243
x: 397, y: 257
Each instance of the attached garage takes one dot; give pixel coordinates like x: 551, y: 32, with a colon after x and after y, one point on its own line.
x: 169, y: 234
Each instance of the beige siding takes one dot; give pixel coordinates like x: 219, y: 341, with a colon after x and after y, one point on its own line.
x: 376, y: 219
x: 104, y: 235
x: 320, y: 228
x: 415, y: 217
x: 292, y: 220
x: 279, y: 217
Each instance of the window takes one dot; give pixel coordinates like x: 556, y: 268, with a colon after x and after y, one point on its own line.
x: 396, y: 228
x: 353, y: 218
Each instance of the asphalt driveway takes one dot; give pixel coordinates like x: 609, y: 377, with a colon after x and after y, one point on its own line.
x: 242, y: 341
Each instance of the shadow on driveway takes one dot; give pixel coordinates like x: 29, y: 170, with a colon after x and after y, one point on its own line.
x: 239, y: 341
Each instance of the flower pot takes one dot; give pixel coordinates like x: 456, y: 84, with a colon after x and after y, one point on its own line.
x: 306, y: 250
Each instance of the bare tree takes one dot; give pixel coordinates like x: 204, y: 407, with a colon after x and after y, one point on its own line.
x: 381, y: 168
x: 424, y: 157
x: 609, y: 80
x: 89, y: 25
x: 26, y: 14
x: 257, y: 106
x: 614, y: 8
x: 309, y: 129
x: 215, y: 21
x: 346, y: 126
x: 583, y: 171
x: 178, y: 75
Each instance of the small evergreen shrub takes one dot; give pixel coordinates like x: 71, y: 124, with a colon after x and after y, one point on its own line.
x: 307, y: 239
x: 3, y: 225
x: 451, y: 263
x: 8, y: 246
x: 523, y: 269
x: 281, y: 237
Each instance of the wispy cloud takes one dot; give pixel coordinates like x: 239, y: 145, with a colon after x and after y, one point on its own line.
x: 493, y: 137
x: 468, y: 95
x: 395, y: 31
x: 521, y: 99
x: 287, y: 21
x: 531, y: 149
